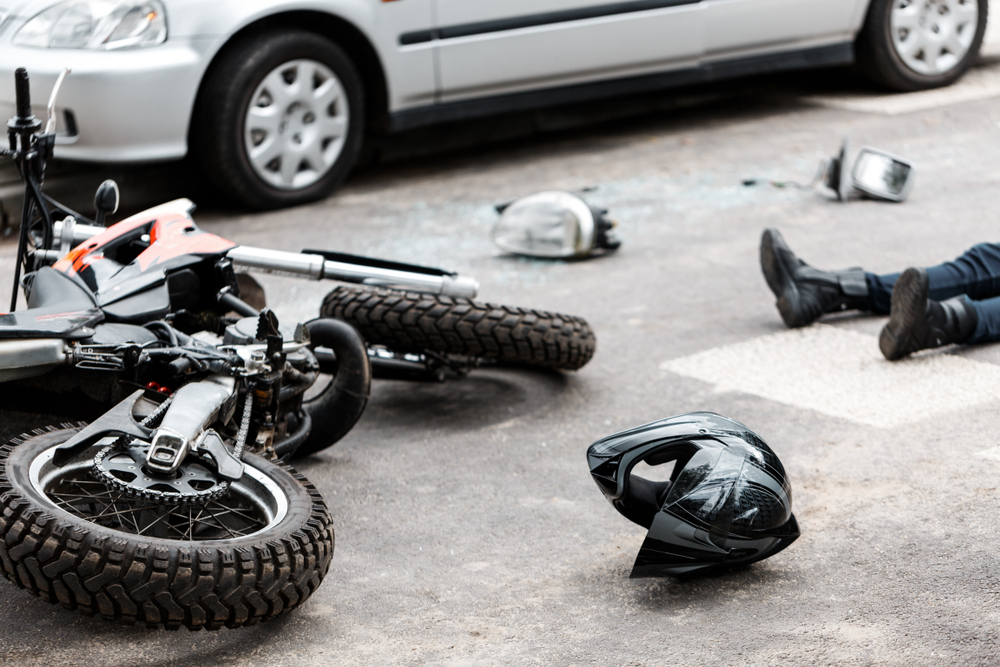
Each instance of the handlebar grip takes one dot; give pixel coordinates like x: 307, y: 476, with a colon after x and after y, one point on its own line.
x: 22, y: 93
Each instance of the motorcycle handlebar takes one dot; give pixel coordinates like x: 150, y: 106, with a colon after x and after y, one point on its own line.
x: 316, y: 267
x: 22, y: 93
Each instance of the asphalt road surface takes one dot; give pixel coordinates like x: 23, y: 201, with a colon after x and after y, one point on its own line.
x: 468, y: 529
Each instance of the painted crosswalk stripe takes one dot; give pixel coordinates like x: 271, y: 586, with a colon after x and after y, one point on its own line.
x: 841, y: 373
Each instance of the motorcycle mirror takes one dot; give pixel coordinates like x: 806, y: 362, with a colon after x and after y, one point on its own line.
x: 50, y: 124
x: 882, y: 175
x: 553, y: 225
x: 106, y: 200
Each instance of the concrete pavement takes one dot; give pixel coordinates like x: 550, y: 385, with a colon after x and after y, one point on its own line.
x: 468, y: 529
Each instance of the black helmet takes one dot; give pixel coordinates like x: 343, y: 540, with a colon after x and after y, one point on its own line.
x: 727, y: 502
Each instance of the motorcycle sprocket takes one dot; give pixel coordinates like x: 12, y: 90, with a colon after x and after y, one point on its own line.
x: 121, y: 468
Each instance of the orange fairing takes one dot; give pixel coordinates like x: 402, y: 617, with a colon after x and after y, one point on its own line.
x: 172, y: 233
x: 176, y: 235
x: 76, y: 259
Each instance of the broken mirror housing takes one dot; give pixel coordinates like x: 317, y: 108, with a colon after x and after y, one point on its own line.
x: 876, y: 173
x: 553, y: 225
x: 882, y: 175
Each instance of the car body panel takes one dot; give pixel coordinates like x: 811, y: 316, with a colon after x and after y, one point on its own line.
x: 128, y: 105
x: 736, y: 26
x: 136, y: 104
x: 153, y: 90
x: 566, y: 50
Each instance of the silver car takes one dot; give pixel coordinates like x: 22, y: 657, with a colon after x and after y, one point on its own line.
x: 274, y: 97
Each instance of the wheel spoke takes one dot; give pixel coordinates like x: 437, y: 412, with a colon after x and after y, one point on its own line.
x: 267, y: 119
x: 263, y: 154
x: 932, y: 56
x: 909, y: 48
x: 277, y: 88
x: 909, y: 20
x: 135, y: 524
x: 289, y: 167
x: 207, y: 522
x: 964, y: 12
x: 326, y: 94
x: 314, y: 156
x: 154, y: 522
x: 954, y: 45
x: 62, y: 494
x: 230, y: 510
x: 332, y: 127
x: 119, y: 512
x: 305, y: 74
x: 190, y: 529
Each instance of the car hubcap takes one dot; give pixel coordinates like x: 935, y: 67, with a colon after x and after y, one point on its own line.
x: 932, y: 36
x: 296, y: 124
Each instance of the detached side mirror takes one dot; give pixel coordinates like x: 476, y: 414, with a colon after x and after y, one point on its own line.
x: 106, y: 200
x: 882, y: 175
x: 553, y: 225
x: 876, y: 173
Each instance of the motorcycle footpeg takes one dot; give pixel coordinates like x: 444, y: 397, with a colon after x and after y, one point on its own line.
x: 226, y: 464
x: 117, y: 421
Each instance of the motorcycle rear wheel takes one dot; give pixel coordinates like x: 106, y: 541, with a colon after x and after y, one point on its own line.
x: 257, y: 552
x: 413, y: 322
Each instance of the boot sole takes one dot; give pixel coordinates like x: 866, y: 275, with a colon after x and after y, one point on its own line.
x: 779, y: 278
x: 908, y: 305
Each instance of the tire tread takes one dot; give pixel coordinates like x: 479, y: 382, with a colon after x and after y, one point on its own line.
x: 411, y: 322
x: 172, y: 584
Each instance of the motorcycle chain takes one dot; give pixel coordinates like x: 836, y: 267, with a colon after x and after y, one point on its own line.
x: 141, y: 485
x: 190, y: 468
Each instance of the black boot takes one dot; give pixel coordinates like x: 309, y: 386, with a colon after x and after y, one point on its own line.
x: 804, y: 293
x: 918, y: 323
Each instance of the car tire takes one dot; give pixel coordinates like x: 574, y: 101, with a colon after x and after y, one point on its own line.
x: 262, y: 138
x: 908, y: 45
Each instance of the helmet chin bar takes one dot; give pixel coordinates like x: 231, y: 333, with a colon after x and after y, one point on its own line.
x: 728, y: 500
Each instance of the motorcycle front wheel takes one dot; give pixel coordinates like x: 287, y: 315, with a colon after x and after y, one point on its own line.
x: 414, y: 322
x: 256, y: 552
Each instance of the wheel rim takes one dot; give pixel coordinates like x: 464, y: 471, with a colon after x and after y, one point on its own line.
x: 932, y: 37
x: 296, y: 124
x: 252, y: 505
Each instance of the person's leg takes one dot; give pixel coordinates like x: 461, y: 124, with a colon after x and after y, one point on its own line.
x: 917, y: 322
x: 805, y: 293
x: 975, y: 274
x: 987, y: 321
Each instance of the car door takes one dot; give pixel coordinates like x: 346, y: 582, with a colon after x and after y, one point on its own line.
x: 489, y: 47
x: 733, y: 26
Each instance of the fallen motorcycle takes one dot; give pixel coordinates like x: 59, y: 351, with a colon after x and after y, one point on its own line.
x: 173, y: 506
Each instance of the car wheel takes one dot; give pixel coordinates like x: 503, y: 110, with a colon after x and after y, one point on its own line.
x: 918, y: 44
x: 280, y: 120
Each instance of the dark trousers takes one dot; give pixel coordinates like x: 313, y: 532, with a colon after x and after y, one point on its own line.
x: 975, y: 275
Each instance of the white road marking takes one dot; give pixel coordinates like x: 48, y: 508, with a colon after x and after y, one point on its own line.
x: 841, y: 373
x: 992, y: 453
